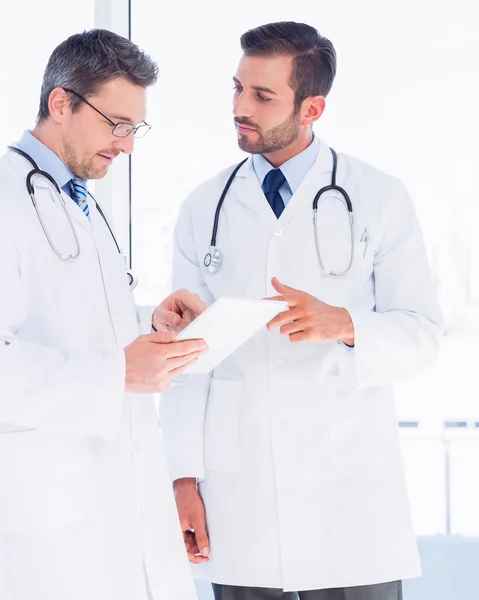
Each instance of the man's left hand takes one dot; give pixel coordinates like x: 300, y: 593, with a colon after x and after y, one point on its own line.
x: 309, y: 319
x: 177, y: 311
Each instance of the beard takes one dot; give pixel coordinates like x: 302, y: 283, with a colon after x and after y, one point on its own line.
x: 274, y: 139
x: 83, y: 167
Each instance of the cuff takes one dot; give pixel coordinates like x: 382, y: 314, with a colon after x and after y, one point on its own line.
x: 145, y: 315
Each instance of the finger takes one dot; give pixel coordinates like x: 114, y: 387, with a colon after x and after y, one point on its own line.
x: 160, y: 337
x: 190, y: 543
x: 294, y: 327
x: 301, y: 336
x: 282, y: 298
x: 180, y: 361
x: 174, y: 373
x: 292, y: 300
x: 201, y: 536
x: 178, y: 371
x: 282, y: 289
x: 284, y: 317
x: 192, y: 550
x: 188, y: 317
x: 166, y: 317
x: 197, y: 559
x: 185, y: 347
x: 190, y: 301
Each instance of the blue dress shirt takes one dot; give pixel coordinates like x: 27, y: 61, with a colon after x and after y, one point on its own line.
x: 47, y: 160
x: 294, y: 169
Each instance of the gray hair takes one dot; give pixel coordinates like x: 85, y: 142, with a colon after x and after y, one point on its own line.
x: 87, y: 60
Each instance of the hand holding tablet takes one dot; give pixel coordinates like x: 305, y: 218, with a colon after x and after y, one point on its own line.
x: 226, y: 325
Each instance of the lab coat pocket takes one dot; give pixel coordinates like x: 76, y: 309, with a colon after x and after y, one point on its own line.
x: 360, y: 255
x: 45, y: 481
x: 362, y: 264
x: 362, y: 252
x: 221, y: 433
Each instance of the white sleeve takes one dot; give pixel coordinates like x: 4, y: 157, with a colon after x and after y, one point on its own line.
x: 144, y: 315
x: 183, y: 406
x: 79, y: 392
x: 400, y: 337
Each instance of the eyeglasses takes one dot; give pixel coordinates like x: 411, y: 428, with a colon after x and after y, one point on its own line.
x: 119, y: 129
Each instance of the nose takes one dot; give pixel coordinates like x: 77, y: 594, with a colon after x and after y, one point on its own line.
x: 242, y: 105
x: 126, y: 144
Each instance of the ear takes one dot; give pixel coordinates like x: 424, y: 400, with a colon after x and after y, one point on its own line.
x: 59, y: 104
x: 312, y: 108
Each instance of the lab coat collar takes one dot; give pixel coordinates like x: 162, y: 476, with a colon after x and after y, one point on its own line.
x: 73, y: 209
x: 23, y: 167
x: 294, y: 169
x: 46, y: 159
x: 323, y: 163
x: 317, y: 177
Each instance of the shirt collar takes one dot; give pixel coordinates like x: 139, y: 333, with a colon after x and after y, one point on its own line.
x: 46, y: 159
x: 294, y: 169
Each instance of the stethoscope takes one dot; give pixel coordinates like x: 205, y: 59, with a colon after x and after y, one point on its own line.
x: 213, y: 258
x: 34, y: 175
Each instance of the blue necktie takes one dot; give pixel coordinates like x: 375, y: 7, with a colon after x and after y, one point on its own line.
x: 271, y: 184
x: 79, y: 194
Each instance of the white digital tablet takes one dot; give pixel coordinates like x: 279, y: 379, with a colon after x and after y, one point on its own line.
x: 226, y: 325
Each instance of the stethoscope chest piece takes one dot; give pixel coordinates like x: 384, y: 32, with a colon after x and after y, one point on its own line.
x: 132, y: 279
x: 212, y: 260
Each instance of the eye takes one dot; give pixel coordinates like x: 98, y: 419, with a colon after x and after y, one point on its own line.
x: 262, y: 98
x: 237, y: 88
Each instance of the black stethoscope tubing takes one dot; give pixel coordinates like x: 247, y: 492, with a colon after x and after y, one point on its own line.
x: 332, y: 186
x: 36, y: 171
x: 212, y: 259
x: 222, y: 199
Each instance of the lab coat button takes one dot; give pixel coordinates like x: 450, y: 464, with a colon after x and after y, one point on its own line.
x: 278, y: 232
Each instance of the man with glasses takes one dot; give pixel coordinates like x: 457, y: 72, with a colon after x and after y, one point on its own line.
x: 86, y: 508
x: 119, y: 129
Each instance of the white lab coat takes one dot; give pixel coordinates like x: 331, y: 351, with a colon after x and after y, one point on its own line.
x: 298, y: 443
x: 85, y: 497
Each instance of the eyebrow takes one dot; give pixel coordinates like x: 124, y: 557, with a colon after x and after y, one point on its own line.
x: 122, y: 119
x: 258, y: 88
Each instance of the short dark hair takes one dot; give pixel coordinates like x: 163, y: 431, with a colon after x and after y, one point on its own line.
x: 314, y: 62
x: 87, y: 60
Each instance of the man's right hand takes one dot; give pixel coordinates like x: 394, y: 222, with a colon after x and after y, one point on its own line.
x: 191, y: 511
x: 154, y: 360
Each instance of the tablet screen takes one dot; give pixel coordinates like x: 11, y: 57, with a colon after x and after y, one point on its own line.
x: 226, y: 325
